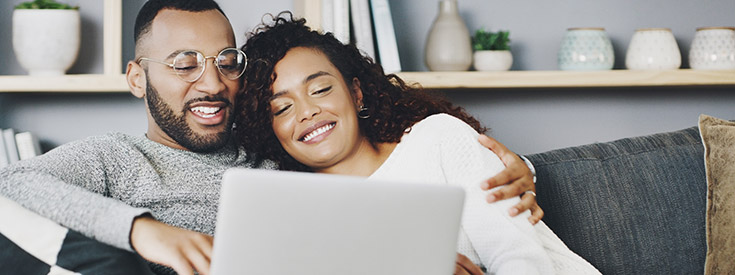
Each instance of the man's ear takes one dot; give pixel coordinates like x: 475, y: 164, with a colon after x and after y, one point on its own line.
x: 357, y: 91
x: 135, y: 76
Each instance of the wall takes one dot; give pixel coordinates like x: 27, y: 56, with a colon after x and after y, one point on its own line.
x: 527, y: 120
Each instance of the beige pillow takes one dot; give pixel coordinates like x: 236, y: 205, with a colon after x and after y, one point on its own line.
x: 718, y: 137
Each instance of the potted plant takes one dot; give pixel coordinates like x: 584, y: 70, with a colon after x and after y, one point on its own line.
x: 46, y: 36
x: 492, y: 52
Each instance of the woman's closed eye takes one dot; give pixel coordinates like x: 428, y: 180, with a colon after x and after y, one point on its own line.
x: 322, y: 90
x: 281, y: 109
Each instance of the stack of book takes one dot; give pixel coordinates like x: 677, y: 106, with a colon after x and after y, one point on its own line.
x: 15, y: 147
x: 366, y: 23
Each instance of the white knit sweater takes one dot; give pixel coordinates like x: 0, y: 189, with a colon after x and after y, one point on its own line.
x: 442, y: 149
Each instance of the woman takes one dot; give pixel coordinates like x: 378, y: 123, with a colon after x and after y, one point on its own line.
x: 319, y: 105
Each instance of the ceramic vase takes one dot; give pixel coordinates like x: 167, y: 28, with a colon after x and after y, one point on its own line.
x: 492, y: 60
x: 653, y: 49
x: 448, y: 46
x: 586, y: 49
x: 46, y: 42
x: 713, y: 48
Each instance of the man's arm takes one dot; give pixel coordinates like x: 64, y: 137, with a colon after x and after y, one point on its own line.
x: 181, y: 249
x: 68, y: 185
x: 517, y: 178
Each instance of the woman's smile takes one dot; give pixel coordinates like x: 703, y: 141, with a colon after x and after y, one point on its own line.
x: 317, y: 132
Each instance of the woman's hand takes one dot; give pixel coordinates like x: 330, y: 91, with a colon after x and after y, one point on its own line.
x: 463, y: 266
x: 516, y: 178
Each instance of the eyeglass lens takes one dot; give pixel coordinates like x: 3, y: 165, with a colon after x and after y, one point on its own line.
x: 189, y: 65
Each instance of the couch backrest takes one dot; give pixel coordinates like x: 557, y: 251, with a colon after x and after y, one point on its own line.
x: 631, y: 206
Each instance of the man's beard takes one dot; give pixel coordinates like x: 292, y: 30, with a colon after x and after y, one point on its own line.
x: 177, y: 128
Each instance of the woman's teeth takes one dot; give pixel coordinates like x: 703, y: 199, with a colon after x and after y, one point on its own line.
x: 205, y: 112
x: 318, y: 131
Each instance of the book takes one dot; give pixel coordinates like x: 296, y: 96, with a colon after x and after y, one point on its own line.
x: 28, y: 145
x: 336, y: 19
x: 385, y: 36
x: 341, y: 20
x: 10, y: 148
x: 327, y: 16
x: 311, y: 10
x: 362, y: 26
x: 4, y: 161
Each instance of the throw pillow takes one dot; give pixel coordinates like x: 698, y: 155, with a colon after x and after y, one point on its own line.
x: 718, y: 137
x: 31, y: 244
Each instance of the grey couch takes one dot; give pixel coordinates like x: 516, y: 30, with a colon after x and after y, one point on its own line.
x: 631, y: 206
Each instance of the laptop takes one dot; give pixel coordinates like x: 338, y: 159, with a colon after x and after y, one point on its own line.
x: 277, y: 222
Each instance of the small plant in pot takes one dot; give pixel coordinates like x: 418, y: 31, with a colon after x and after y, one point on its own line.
x: 492, y: 50
x: 46, y: 36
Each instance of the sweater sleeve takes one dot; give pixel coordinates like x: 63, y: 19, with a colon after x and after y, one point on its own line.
x: 68, y: 186
x: 505, y: 245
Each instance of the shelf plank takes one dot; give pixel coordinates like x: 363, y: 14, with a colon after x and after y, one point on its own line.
x: 429, y: 80
x: 112, y: 37
x: 545, y: 79
x: 67, y: 83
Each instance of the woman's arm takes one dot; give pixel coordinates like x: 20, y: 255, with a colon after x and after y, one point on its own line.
x: 504, y: 244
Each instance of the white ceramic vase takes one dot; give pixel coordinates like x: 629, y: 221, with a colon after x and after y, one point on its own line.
x: 448, y: 46
x: 492, y: 60
x: 713, y: 48
x: 46, y: 42
x: 653, y: 49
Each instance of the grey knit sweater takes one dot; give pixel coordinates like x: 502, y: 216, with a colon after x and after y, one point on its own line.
x: 97, y: 186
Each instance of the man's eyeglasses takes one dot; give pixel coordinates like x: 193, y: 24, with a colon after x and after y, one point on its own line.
x: 190, y: 65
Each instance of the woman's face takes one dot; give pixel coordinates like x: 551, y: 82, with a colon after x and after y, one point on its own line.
x: 314, y: 110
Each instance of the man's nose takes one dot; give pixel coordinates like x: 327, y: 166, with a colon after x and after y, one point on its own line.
x: 210, y: 82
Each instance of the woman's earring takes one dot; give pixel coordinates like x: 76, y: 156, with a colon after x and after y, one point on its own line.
x: 363, y: 112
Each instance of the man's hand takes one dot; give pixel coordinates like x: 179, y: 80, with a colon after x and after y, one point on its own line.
x: 517, y: 179
x: 181, y: 249
x: 463, y: 266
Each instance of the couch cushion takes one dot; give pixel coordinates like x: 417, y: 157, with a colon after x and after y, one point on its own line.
x: 718, y: 137
x: 631, y: 206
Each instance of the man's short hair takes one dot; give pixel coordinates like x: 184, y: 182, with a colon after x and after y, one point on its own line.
x: 151, y: 8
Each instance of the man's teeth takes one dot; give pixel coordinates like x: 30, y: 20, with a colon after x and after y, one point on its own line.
x: 318, y: 131
x: 205, y: 111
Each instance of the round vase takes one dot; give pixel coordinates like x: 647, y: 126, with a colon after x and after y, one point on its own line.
x: 586, y: 49
x: 448, y: 46
x: 653, y: 49
x: 713, y: 48
x: 492, y: 60
x: 46, y: 42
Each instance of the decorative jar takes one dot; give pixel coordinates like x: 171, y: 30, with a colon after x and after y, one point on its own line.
x: 653, y: 49
x: 586, y: 49
x: 713, y: 48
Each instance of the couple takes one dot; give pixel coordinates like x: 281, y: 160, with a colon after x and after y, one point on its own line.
x: 311, y: 103
x: 157, y: 194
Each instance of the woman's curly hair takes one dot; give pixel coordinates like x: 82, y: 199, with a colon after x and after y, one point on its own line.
x: 393, y: 105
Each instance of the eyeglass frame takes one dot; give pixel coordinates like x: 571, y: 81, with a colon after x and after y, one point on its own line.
x: 204, y: 67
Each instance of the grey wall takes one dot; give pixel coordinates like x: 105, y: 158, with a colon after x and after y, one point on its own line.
x: 527, y: 120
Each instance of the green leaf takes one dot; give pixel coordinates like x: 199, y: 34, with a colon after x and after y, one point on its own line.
x: 483, y: 40
x: 45, y: 4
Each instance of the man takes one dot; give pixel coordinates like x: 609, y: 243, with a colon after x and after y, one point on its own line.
x: 157, y: 194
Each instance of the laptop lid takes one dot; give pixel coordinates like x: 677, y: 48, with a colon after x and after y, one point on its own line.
x: 276, y: 222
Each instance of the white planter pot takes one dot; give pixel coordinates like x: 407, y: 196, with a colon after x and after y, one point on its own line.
x: 46, y: 42
x: 493, y: 60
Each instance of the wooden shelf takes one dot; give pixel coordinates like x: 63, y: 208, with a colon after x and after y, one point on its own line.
x: 66, y: 83
x: 429, y: 80
x: 548, y: 79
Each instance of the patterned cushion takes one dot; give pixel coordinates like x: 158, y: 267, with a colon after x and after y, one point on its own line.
x: 631, y: 206
x: 31, y: 244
